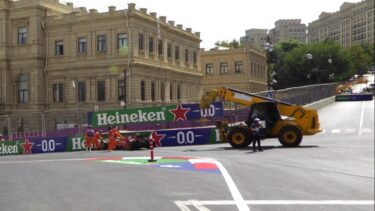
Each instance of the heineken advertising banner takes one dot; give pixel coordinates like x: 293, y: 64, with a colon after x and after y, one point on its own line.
x: 33, y: 145
x: 170, y: 137
x: 181, y: 112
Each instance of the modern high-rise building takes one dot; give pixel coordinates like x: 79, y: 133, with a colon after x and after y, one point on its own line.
x: 54, y: 56
x: 352, y: 24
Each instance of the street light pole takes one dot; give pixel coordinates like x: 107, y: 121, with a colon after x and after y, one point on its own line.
x: 268, y: 48
x: 125, y: 89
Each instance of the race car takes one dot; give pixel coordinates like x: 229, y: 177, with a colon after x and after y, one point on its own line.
x: 131, y: 141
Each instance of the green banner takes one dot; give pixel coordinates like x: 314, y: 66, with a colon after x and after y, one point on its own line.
x: 10, y: 148
x: 76, y: 144
x: 133, y: 116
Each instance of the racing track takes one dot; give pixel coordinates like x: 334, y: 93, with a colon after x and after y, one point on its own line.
x: 330, y: 171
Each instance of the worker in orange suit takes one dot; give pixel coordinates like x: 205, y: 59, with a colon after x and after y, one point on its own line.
x: 89, y: 136
x: 116, y: 134
x: 97, y: 137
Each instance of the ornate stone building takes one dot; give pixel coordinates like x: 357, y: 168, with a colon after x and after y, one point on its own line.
x: 55, y: 56
x: 240, y: 68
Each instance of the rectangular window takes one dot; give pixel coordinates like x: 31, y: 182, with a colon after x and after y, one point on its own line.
x: 171, y: 91
x: 101, y: 91
x: 150, y: 44
x: 22, y: 35
x: 102, y: 45
x: 160, y: 47
x: 122, y: 42
x: 178, y: 92
x: 162, y: 91
x: 140, y: 42
x: 223, y: 68
x: 143, y: 91
x: 82, y: 45
x: 81, y: 91
x: 59, y: 48
x: 169, y: 50
x: 121, y: 90
x: 238, y: 67
x: 195, y: 57
x: 186, y: 55
x: 153, y: 91
x: 177, y: 53
x: 23, y: 88
x: 58, y: 92
x: 209, y: 69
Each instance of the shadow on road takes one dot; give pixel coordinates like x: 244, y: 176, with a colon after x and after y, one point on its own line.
x: 248, y: 148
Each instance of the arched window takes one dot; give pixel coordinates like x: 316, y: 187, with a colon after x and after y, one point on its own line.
x: 23, y: 89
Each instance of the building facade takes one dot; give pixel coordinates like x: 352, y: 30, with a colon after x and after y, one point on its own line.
x: 352, y: 24
x: 286, y: 29
x: 239, y: 68
x: 54, y: 56
x: 254, y: 38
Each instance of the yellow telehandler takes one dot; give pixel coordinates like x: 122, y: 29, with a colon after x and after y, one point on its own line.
x: 285, y: 121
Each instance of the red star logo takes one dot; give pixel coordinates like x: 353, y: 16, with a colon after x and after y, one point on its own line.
x: 179, y: 113
x: 157, y: 137
x: 27, y: 145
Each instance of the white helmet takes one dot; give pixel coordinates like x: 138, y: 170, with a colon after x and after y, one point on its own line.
x: 256, y: 120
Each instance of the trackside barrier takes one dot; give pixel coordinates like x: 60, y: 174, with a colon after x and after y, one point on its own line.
x: 164, y: 138
x: 354, y: 97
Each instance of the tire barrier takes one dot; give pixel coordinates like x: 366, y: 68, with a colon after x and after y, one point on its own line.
x: 354, y: 97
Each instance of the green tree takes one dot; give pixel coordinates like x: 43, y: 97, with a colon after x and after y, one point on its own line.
x: 233, y: 44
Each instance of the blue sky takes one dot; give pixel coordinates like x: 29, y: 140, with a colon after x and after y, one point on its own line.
x: 223, y: 19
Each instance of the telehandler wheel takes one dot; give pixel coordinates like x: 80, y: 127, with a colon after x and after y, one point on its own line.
x: 290, y: 136
x: 239, y: 137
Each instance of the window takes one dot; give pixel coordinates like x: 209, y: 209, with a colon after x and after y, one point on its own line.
x: 143, y: 91
x: 121, y: 90
x: 160, y: 47
x: 178, y: 92
x: 223, y: 68
x: 81, y: 91
x: 177, y: 53
x: 140, y: 42
x: 153, y: 89
x: 195, y: 57
x: 150, y: 44
x: 238, y: 67
x: 101, y: 91
x: 82, y: 45
x: 23, y: 89
x: 209, y: 69
x: 58, y: 92
x: 122, y: 43
x: 162, y: 91
x: 59, y: 48
x: 102, y: 45
x: 169, y: 50
x: 171, y: 91
x: 186, y: 55
x: 22, y: 35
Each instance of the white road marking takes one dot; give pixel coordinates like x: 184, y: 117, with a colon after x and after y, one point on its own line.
x: 366, y: 130
x: 350, y: 130
x: 361, y: 120
x: 238, y: 199
x: 40, y: 161
x: 336, y: 131
x: 183, y: 205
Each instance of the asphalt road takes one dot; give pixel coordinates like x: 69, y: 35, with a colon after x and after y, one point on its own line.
x: 333, y: 170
